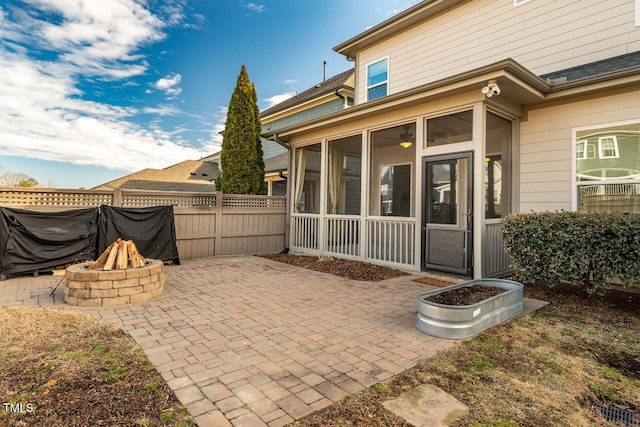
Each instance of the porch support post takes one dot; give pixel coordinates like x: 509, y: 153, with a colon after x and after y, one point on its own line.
x: 322, y: 237
x: 418, y: 190
x: 365, y: 185
x: 479, y: 143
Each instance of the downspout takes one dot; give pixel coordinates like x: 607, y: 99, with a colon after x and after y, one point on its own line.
x: 345, y: 103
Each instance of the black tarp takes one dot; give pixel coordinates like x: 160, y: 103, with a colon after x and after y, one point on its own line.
x: 33, y: 241
x: 151, y: 229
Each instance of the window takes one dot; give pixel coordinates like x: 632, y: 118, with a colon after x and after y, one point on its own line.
x: 610, y: 180
x: 608, y: 147
x: 497, y: 170
x: 581, y: 149
x: 377, y: 79
x: 395, y: 190
x: 449, y: 129
x: 519, y: 2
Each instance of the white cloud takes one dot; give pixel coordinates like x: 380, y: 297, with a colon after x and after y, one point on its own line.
x: 259, y: 8
x: 42, y: 113
x: 291, y: 81
x: 215, y: 142
x: 277, y: 99
x: 169, y: 85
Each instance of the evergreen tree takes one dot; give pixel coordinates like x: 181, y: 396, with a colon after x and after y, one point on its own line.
x: 241, y: 157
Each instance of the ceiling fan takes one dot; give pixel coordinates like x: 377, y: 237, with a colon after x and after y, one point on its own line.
x: 406, y: 137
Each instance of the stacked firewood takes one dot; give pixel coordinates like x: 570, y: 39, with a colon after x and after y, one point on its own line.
x: 119, y: 255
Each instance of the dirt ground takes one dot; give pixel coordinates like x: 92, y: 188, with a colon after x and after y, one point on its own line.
x: 64, y: 369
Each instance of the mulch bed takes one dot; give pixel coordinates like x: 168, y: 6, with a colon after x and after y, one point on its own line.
x: 465, y: 295
x: 350, y: 269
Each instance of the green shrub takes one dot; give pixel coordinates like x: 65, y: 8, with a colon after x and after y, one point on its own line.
x: 579, y: 248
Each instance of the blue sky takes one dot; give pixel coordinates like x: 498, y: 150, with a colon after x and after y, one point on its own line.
x: 95, y: 89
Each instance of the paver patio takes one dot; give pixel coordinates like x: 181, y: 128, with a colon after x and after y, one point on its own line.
x: 247, y: 341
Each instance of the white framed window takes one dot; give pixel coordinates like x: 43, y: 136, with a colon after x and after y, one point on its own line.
x: 607, y: 180
x: 378, y: 79
x: 608, y: 147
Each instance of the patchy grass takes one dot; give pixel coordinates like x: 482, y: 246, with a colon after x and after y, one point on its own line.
x: 75, y: 370
x: 545, y: 369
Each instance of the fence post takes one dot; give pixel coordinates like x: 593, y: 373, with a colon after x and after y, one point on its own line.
x: 217, y: 242
x: 117, y: 197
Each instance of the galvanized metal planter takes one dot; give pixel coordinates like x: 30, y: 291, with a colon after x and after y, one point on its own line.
x: 459, y: 322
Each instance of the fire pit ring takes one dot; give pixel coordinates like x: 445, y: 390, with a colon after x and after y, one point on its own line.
x: 95, y: 288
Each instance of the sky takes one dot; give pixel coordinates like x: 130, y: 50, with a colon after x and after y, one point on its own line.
x: 92, y: 90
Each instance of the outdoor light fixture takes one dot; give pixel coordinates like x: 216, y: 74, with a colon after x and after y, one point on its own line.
x: 491, y: 89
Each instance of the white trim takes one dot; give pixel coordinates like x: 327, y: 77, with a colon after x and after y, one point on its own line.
x: 366, y: 79
x: 616, y: 153
x: 519, y: 2
x: 637, y: 13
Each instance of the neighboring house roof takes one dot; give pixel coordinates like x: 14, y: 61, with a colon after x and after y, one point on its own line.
x: 277, y: 163
x: 594, y: 69
x: 140, y: 184
x: 195, y: 173
x: 328, y: 86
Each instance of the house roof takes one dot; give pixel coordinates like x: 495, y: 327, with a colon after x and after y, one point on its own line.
x: 328, y: 86
x: 594, y: 69
x: 187, y: 172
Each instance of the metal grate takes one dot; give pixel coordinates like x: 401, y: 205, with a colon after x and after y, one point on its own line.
x: 614, y: 414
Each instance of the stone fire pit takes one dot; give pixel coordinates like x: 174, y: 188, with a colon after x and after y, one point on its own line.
x: 96, y: 288
x: 119, y: 276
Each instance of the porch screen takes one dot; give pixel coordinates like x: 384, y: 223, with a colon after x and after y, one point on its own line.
x: 393, y: 152
x: 344, y: 175
x: 307, y: 179
x: 608, y: 169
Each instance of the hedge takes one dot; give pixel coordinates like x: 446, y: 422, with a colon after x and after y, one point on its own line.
x: 575, y: 247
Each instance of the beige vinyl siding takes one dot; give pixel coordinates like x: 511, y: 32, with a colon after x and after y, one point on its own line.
x: 546, y: 146
x: 542, y: 35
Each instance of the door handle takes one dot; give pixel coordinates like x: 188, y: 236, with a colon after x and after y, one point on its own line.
x: 469, y: 213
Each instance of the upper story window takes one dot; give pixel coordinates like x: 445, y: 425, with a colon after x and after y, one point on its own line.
x: 377, y: 79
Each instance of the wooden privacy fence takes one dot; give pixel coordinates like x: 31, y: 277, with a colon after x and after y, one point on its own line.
x: 207, y: 224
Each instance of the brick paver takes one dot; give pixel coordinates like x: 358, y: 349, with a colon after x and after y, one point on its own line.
x: 248, y: 341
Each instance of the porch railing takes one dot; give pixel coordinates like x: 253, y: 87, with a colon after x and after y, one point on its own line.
x: 391, y: 240
x: 496, y: 260
x: 343, y: 236
x: 304, y: 231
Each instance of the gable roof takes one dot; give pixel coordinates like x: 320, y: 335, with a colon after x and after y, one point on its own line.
x: 189, y: 171
x: 328, y: 86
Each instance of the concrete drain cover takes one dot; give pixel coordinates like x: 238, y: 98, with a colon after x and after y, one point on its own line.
x: 427, y: 406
